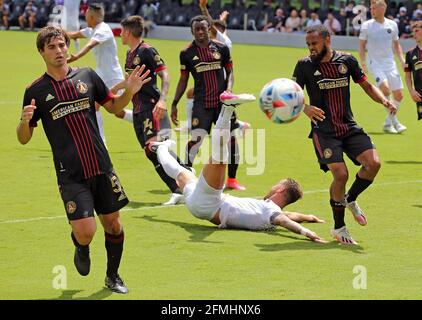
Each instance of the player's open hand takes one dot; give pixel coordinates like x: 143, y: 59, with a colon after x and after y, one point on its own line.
x: 390, y: 106
x: 174, y: 115
x: 160, y: 109
x: 416, y: 96
x: 28, y: 112
x: 137, y: 79
x: 315, y: 238
x: 315, y: 219
x: 314, y: 113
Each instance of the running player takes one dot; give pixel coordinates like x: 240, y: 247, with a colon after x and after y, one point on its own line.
x: 326, y: 75
x: 379, y: 36
x: 63, y: 99
x: 70, y: 18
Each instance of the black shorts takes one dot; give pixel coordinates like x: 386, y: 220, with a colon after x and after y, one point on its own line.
x: 103, y: 192
x: 203, y: 118
x: 329, y: 149
x: 419, y: 110
x: 147, y: 126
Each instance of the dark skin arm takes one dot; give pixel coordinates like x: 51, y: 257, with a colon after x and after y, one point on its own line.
x: 180, y: 90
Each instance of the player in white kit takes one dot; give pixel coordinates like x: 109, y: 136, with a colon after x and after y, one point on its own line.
x: 104, y: 46
x: 379, y: 36
x: 205, y: 198
x: 70, y: 18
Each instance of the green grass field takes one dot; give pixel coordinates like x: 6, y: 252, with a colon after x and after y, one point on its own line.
x: 169, y: 254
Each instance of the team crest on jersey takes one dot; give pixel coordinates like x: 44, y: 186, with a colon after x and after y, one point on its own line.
x: 216, y: 55
x: 136, y: 60
x: 195, y: 122
x: 71, y: 207
x: 157, y: 58
x: 328, y: 153
x: 342, y: 68
x: 82, y: 87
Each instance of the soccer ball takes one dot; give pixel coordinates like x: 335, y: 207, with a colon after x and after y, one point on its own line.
x: 281, y: 100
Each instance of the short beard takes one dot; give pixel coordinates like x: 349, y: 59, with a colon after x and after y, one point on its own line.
x: 317, y: 59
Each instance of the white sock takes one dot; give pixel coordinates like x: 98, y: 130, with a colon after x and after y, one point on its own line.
x: 221, y: 134
x: 100, y: 125
x: 128, y: 115
x: 394, y: 117
x: 189, y: 107
x: 169, y: 163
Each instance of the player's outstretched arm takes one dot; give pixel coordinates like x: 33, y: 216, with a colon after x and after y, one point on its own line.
x: 286, y: 222
x: 377, y: 95
x: 300, y: 217
x: 133, y: 84
x: 24, y: 131
x: 91, y: 44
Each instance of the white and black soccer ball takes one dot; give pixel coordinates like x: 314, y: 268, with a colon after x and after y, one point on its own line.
x: 281, y: 100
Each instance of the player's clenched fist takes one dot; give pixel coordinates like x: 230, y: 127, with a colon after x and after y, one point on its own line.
x: 28, y: 112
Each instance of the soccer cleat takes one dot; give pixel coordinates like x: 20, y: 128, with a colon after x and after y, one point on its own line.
x: 342, y: 235
x: 389, y: 128
x: 155, y: 144
x: 357, y: 212
x: 232, y: 99
x: 176, y: 198
x: 82, y: 261
x: 399, y: 127
x: 116, y: 284
x: 232, y: 183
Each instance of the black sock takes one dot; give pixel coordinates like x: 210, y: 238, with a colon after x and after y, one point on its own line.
x: 234, y: 158
x: 114, y: 247
x: 358, y: 186
x: 84, y: 250
x: 169, y: 181
x: 338, y: 213
x: 192, y: 149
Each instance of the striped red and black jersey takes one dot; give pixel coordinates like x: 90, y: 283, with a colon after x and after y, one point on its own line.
x: 414, y: 65
x: 67, y: 111
x: 328, y: 88
x: 149, y: 94
x: 207, y: 68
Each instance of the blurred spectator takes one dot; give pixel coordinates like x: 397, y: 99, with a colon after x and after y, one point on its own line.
x: 29, y: 16
x: 344, y: 22
x: 5, y: 13
x: 403, y: 23
x: 314, y: 21
x: 332, y: 24
x: 292, y: 22
x: 83, y: 8
x: 417, y: 14
x: 303, y: 19
x: 277, y: 23
x: 149, y: 12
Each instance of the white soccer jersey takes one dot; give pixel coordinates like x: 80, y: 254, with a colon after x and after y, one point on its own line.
x: 70, y: 15
x: 380, y: 37
x: 247, y: 213
x: 222, y: 37
x: 108, y: 66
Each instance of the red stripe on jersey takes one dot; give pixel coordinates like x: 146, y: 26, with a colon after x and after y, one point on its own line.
x: 70, y: 90
x: 74, y: 88
x: 160, y: 68
x: 109, y: 97
x: 57, y: 91
x: 85, y: 144
x: 92, y: 147
x: 62, y: 84
x: 76, y: 141
x: 364, y: 78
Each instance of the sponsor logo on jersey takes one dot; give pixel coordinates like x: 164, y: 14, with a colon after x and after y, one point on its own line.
x: 414, y: 58
x: 326, y: 84
x: 136, y: 60
x: 71, y: 207
x: 342, y: 68
x: 207, y: 66
x: 328, y: 153
x: 82, y: 87
x: 49, y: 97
x: 195, y: 58
x: 317, y: 73
x: 64, y: 108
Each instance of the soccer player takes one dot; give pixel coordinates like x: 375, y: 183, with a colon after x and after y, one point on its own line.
x: 63, y: 99
x: 326, y: 75
x: 414, y: 68
x: 205, y: 198
x: 150, y: 118
x: 208, y: 61
x: 379, y: 36
x: 70, y: 18
x: 104, y: 46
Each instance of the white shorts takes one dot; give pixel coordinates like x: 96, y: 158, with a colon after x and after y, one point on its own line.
x: 202, y: 200
x: 391, y: 75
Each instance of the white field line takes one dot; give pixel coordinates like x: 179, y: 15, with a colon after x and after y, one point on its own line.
x: 161, y: 206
